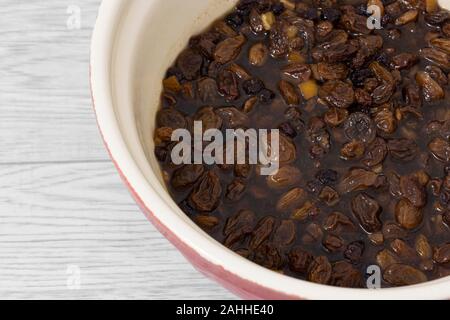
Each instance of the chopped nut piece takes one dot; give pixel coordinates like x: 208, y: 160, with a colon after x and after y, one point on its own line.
x: 172, y: 84
x: 268, y: 20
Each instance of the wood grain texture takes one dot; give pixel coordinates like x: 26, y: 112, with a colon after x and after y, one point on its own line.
x: 45, y: 103
x: 62, y: 203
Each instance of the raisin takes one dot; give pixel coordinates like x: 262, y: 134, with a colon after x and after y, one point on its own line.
x: 278, y: 8
x: 331, y: 14
x: 287, y: 129
x: 360, y: 127
x: 266, y: 96
x: 161, y: 153
x: 367, y: 211
x: 320, y: 270
x: 253, y: 86
x: 346, y: 276
x: 300, y: 260
x: 206, y: 195
x: 327, y: 177
x: 354, y: 252
x: 234, y: 20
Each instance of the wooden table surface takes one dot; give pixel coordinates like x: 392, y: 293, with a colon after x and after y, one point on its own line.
x: 68, y: 226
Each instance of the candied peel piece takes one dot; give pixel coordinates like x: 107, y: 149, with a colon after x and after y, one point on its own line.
x: 309, y: 89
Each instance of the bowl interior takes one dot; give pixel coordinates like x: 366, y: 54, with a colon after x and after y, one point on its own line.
x: 148, y: 37
x: 160, y: 31
x: 164, y: 36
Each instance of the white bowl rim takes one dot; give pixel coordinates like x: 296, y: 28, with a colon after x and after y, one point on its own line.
x: 100, y: 63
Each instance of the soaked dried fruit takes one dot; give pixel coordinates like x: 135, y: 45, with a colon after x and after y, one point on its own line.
x: 262, y: 232
x: 324, y: 28
x: 403, y: 250
x: 338, y: 222
x: 289, y: 93
x: 392, y: 230
x: 386, y: 258
x: 206, y: 195
x: 229, y: 49
x: 268, y: 256
x: 255, y: 21
x: 300, y: 260
x: 320, y: 270
x: 359, y: 126
x: 312, y: 234
x: 333, y: 243
x: 190, y: 64
x: 403, y: 149
x: 253, y: 86
x: 208, y: 118
x: 408, y: 17
x: 442, y: 254
x: 440, y: 149
x: 287, y: 150
x: 352, y: 150
x: 284, y: 235
x: 335, y: 116
x: 306, y: 211
x: 236, y: 189
x: 186, y: 176
x: 207, y: 89
x: 228, y: 85
x: 376, y: 152
x: 364, y: 148
x: 329, y: 196
x: 346, y: 276
x: 407, y: 215
x: 287, y: 176
x: 437, y: 74
x: 354, y: 252
x: 367, y: 211
x: 299, y: 71
x: 438, y: 17
x: 385, y: 121
x: 441, y: 44
x: 359, y: 179
x: 172, y: 84
x: 240, y: 72
x: 163, y: 134
x: 438, y: 57
x: 328, y: 71
x: 291, y: 199
x: 423, y: 247
x: 238, y: 226
x: 337, y: 94
x: 413, y: 191
x: 309, y: 89
x: 403, y: 275
x: 278, y: 41
x: 404, y: 60
x: 258, y: 54
x: 207, y: 222
x: 232, y: 117
x: 171, y: 118
x: 430, y: 88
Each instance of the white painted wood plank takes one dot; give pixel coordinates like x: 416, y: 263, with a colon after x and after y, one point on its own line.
x: 56, y: 215
x: 61, y: 201
x: 45, y: 106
